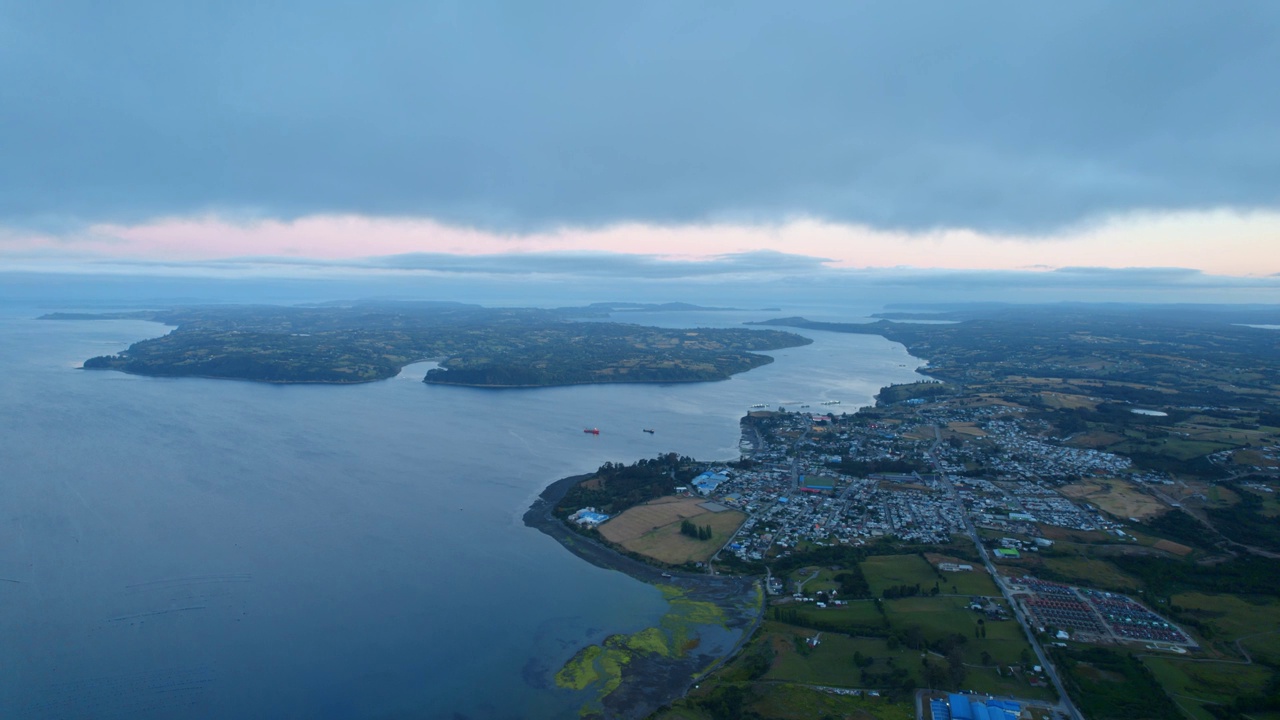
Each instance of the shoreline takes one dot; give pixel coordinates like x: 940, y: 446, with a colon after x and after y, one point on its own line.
x: 539, y: 517
x: 649, y: 682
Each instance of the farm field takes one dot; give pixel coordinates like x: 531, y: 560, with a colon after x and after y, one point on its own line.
x: 650, y: 516
x: 789, y: 702
x: 941, y: 617
x: 1090, y: 572
x: 653, y: 529
x: 832, y: 661
x: 971, y: 582
x: 885, y: 571
x: 1193, y: 684
x: 1119, y: 498
x: 1233, y: 618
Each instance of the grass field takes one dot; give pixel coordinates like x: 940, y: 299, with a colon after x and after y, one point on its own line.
x: 1091, y: 572
x: 814, y: 579
x: 785, y: 701
x: 653, y: 529
x: 973, y: 582
x: 789, y: 702
x: 858, y: 614
x: 966, y: 428
x: 1170, y: 546
x: 1119, y: 498
x: 1230, y: 616
x: 831, y: 662
x: 939, y: 617
x: 989, y: 681
x: 650, y: 516
x: 884, y: 571
x: 1192, y: 684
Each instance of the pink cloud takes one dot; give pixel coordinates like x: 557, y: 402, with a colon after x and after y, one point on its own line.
x: 1217, y: 242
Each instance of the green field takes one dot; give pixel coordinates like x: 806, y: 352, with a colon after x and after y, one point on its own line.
x: 788, y: 702
x: 1192, y: 684
x: 943, y: 616
x: 977, y: 582
x: 987, y: 680
x: 783, y: 701
x: 858, y: 614
x: 823, y: 580
x: 1231, y: 616
x: 1091, y: 572
x: 884, y: 571
x: 831, y: 662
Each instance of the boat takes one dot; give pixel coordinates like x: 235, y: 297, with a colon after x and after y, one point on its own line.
x: 759, y: 405
x: 592, y: 431
x: 648, y: 431
x: 666, y: 575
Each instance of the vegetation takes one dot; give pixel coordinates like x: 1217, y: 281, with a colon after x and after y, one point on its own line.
x: 1111, y: 685
x: 697, y: 532
x: 1242, y: 575
x: 616, y: 487
x: 1245, y: 521
x: 912, y: 391
x: 1085, y: 368
x: 492, y: 347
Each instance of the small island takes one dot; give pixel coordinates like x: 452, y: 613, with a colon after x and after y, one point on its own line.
x: 476, y: 346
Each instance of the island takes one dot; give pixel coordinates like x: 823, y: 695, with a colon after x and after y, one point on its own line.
x: 1072, y: 516
x: 475, y: 345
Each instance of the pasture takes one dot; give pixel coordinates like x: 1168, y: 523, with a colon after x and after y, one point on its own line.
x: 1118, y: 498
x: 885, y: 571
x: 653, y: 530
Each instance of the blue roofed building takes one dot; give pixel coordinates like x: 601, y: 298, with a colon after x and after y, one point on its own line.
x: 707, y: 482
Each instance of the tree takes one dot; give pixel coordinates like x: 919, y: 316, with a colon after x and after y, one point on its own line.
x: 935, y: 676
x: 955, y: 666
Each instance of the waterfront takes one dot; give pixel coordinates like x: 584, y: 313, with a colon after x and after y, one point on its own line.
x: 208, y: 548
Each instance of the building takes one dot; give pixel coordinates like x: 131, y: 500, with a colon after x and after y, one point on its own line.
x: 588, y: 517
x: 707, y: 482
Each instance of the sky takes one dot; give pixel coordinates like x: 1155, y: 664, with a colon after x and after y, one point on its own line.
x: 836, y: 141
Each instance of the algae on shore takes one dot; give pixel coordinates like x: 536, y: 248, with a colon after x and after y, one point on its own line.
x: 601, y: 666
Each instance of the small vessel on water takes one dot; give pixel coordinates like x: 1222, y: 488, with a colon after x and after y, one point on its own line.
x: 592, y: 431
x: 758, y: 405
x: 666, y: 575
x: 648, y: 431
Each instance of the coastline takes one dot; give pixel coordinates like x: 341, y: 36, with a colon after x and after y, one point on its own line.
x: 650, y: 681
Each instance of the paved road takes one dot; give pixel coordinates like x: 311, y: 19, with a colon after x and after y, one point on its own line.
x: 1064, y: 704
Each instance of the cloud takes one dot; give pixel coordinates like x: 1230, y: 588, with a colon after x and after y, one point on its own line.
x: 1013, y: 119
x: 604, y: 264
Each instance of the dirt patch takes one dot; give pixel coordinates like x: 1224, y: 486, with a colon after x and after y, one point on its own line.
x: 1116, y: 497
x: 1096, y: 440
x: 966, y: 428
x: 1173, y: 547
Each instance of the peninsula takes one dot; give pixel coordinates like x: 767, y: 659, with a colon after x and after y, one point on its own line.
x: 1074, y: 517
x: 476, y: 346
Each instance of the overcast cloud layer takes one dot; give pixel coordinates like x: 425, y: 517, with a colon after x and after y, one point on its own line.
x: 997, y: 117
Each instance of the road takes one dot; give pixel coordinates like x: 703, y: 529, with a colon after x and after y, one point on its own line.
x: 1064, y: 704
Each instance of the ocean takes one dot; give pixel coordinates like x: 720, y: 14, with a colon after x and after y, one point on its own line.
x: 191, y: 548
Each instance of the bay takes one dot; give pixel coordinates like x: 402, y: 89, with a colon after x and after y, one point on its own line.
x: 201, y: 548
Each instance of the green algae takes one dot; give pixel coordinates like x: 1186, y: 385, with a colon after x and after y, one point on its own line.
x: 600, y: 667
x: 580, y: 672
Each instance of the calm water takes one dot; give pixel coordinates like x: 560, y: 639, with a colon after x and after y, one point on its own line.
x: 213, y: 549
